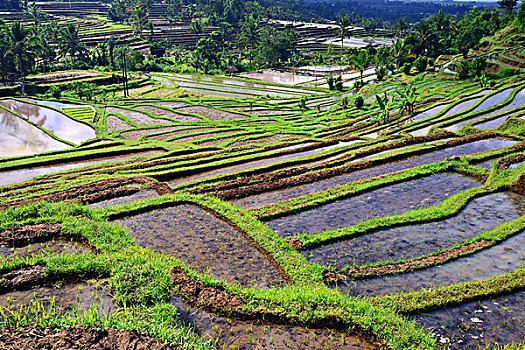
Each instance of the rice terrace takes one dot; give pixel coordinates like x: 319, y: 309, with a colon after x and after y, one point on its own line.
x: 230, y: 174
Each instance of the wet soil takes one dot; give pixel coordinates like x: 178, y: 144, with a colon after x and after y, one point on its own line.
x: 77, y: 338
x: 19, y: 175
x: 406, y: 242
x: 164, y: 113
x: 211, y: 113
x: 503, y: 257
x: 315, y: 182
x: 116, y: 124
x: 287, y: 154
x: 137, y: 117
x: 360, y: 272
x: 140, y: 195
x: 45, y: 249
x: 166, y: 136
x: 227, y: 333
x: 387, y: 201
x: 143, y: 133
x: 66, y: 298
x: 478, y: 324
x: 205, y: 243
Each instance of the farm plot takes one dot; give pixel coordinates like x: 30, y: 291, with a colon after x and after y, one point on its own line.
x: 244, y: 222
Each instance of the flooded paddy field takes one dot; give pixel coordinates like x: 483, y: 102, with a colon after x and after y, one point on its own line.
x: 270, y: 197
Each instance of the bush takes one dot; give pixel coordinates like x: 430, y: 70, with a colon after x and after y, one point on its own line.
x: 406, y: 68
x: 339, y: 83
x: 421, y: 64
x: 55, y: 92
x: 330, y: 81
x: 381, y: 73
x: 359, y: 102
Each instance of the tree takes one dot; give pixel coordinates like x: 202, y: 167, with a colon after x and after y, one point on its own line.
x: 140, y: 18
x: 399, y: 51
x: 70, y: 43
x: 250, y: 32
x: 359, y: 63
x: 196, y: 29
x: 111, y: 50
x: 507, y: 6
x: 521, y: 14
x: 385, y: 106
x: 401, y: 26
x: 343, y: 22
x: 35, y: 14
x: 408, y: 97
x: 23, y: 45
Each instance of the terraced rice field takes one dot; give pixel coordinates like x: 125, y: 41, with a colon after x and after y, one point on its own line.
x: 251, y: 221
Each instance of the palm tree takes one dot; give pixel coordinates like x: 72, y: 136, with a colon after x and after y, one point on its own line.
x: 196, y: 28
x: 399, y: 51
x: 359, y: 62
x: 111, y: 50
x: 23, y: 45
x: 140, y: 19
x: 425, y: 36
x: 408, y: 98
x: 71, y: 44
x: 343, y: 23
x: 35, y: 14
x: 250, y: 32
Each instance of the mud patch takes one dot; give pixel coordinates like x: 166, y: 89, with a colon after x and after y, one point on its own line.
x: 205, y: 242
x: 77, y: 338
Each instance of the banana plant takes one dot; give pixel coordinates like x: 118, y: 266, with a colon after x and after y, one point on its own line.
x: 385, y: 105
x: 408, y: 98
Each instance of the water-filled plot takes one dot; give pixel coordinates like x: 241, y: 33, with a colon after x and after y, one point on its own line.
x: 226, y: 333
x: 55, y: 122
x: 323, y: 185
x: 205, y: 243
x: 400, y: 243
x: 478, y: 324
x: 504, y: 257
x: 387, y: 201
x: 18, y: 137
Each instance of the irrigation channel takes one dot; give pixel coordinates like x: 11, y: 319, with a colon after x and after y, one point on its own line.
x: 262, y: 212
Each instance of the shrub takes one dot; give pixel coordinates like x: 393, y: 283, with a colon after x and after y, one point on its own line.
x: 55, y: 92
x: 339, y: 83
x: 421, y: 64
x: 381, y: 73
x: 330, y: 81
x: 406, y: 68
x: 359, y: 102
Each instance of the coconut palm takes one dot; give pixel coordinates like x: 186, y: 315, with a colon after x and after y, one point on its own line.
x: 196, y: 28
x: 343, y: 22
x: 70, y: 42
x: 399, y: 51
x: 360, y: 62
x: 23, y: 45
x: 35, y: 14
x: 250, y: 32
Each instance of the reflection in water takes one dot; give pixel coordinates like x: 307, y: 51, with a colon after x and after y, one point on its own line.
x: 18, y: 137
x: 387, y: 201
x: 234, y: 334
x: 51, y: 120
x: 406, y: 242
x: 477, y: 324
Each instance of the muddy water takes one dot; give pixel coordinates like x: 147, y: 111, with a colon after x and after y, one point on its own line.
x: 55, y: 247
x: 477, y: 324
x: 245, y: 335
x: 277, y: 77
x: 137, y: 196
x: 504, y: 257
x: 406, y: 242
x: 53, y: 121
x: 295, y: 192
x: 17, y: 137
x: 388, y: 201
x: 205, y: 243
x: 259, y: 163
x: 489, y: 102
x: 66, y: 298
x: 19, y: 175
